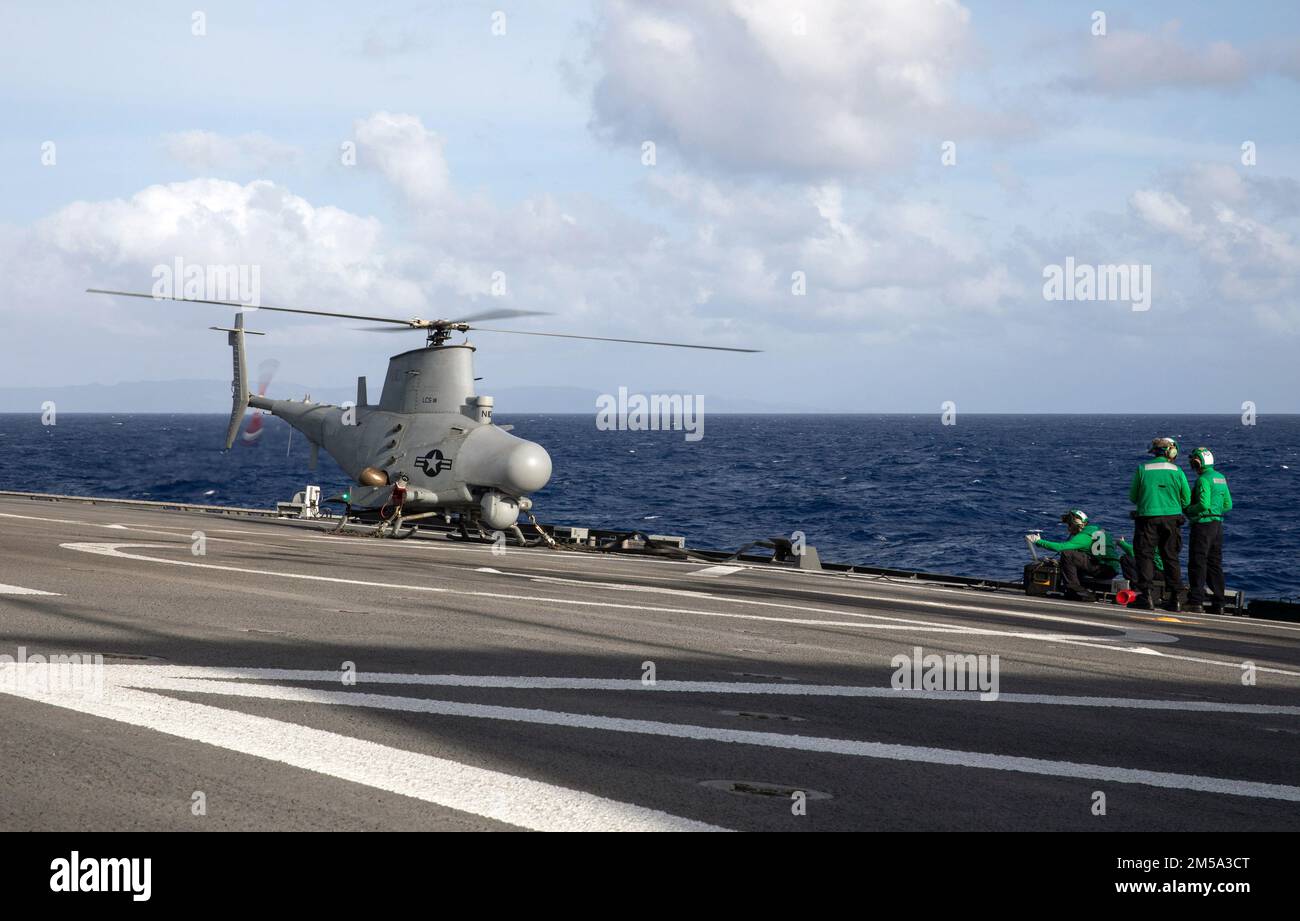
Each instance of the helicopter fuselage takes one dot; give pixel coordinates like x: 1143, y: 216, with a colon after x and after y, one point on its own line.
x: 432, y: 427
x: 429, y: 426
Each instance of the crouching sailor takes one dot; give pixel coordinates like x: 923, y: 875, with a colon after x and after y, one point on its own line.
x: 1128, y: 562
x: 1089, y: 553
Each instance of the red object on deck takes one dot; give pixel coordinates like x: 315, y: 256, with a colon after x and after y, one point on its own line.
x: 1125, y: 596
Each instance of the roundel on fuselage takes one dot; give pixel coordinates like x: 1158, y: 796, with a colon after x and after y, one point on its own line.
x: 432, y: 463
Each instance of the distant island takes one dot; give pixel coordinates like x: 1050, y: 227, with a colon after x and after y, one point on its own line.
x: 213, y: 396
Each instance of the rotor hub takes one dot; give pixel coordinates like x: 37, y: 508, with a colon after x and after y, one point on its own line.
x: 440, y: 331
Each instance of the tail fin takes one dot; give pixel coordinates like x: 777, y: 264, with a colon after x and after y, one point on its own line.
x: 239, y: 384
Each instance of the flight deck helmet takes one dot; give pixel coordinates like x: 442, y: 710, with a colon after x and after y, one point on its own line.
x: 1075, y: 519
x: 1201, y: 458
x: 1164, y: 447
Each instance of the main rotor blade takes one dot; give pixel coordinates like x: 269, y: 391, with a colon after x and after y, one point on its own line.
x: 315, y: 313
x: 502, y: 314
x: 676, y: 345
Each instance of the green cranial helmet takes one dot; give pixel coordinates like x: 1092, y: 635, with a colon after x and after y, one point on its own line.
x: 1076, y: 517
x: 1164, y: 447
x: 1202, y: 457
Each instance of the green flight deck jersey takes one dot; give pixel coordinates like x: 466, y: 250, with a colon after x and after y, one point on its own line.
x: 1091, y: 538
x: 1210, y: 497
x: 1159, y: 487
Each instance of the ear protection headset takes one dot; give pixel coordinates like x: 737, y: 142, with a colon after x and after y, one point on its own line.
x: 1164, y: 447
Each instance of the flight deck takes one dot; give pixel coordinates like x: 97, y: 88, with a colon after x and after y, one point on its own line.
x: 284, y: 677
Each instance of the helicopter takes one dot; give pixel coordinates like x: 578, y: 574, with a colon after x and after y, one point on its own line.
x: 430, y: 446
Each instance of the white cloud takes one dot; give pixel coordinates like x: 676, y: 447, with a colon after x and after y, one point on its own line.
x: 409, y: 156
x: 733, y: 83
x: 1220, y: 213
x: 880, y: 267
x: 204, y: 151
x: 394, y: 41
x: 306, y: 254
x: 1128, y: 62
x: 877, y: 267
x: 1164, y: 212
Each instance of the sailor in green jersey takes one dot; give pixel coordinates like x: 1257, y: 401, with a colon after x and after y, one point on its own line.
x: 1160, y: 492
x: 1210, y: 500
x: 1128, y: 563
x: 1088, y: 553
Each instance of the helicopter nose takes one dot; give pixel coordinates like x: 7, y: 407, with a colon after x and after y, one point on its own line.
x: 492, y: 457
x: 527, y: 468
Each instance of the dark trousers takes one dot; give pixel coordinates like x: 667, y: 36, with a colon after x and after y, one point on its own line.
x: 1205, y: 562
x: 1129, y: 567
x: 1077, y: 564
x: 1159, y: 534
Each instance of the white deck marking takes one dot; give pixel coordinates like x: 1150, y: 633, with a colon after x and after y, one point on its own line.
x: 19, y: 590
x: 950, y: 589
x: 42, y: 519
x: 1123, y: 633
x: 863, y: 749
x: 715, y: 571
x: 114, y: 550
x: 492, y: 794
x: 643, y: 562
x: 921, y: 625
x: 127, y: 698
x: 1108, y: 643
x: 156, y: 673
x: 1148, y: 636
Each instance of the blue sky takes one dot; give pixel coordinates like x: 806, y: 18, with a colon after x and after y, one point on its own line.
x: 780, y: 148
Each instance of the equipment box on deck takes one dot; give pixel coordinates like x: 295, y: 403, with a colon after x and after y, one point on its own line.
x: 1041, y: 577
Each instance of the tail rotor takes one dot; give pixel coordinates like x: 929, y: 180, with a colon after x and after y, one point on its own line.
x: 253, y: 431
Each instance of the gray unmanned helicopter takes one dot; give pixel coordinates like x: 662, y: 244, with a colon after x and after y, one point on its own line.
x: 430, y: 435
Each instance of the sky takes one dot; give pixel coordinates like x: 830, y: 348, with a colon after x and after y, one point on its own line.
x: 872, y: 192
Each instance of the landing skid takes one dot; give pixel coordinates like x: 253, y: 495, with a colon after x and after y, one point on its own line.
x: 390, y: 527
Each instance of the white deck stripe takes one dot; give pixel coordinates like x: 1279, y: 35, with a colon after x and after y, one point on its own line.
x: 862, y: 749
x: 643, y: 562
x: 1129, y: 634
x: 713, y: 571
x: 114, y: 550
x: 146, y: 676
x: 19, y: 590
x: 492, y: 794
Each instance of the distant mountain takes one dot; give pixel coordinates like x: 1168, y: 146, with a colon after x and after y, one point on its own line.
x: 179, y: 396
x: 213, y: 396
x: 583, y: 400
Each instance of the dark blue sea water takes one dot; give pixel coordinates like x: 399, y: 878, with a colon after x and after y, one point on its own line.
x: 899, y: 491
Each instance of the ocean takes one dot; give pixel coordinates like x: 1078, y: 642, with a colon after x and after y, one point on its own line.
x: 900, y: 491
